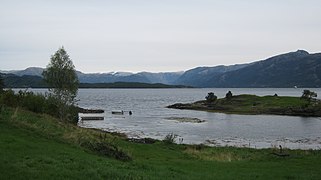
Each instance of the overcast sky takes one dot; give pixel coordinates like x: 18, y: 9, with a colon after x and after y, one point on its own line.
x: 155, y: 35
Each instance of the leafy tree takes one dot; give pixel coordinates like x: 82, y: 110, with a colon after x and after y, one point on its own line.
x: 61, y: 76
x: 309, y: 95
x: 228, y: 95
x: 211, y: 97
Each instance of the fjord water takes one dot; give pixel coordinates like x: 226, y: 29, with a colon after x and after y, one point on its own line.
x: 151, y: 119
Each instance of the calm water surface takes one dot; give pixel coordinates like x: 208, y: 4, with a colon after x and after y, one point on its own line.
x: 150, y: 118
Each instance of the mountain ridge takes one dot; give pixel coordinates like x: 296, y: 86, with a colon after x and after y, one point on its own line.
x: 109, y: 77
x: 298, y: 68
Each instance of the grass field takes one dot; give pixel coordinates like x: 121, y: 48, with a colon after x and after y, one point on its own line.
x: 36, y: 146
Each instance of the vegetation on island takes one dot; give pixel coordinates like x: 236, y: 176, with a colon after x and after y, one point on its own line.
x: 306, y: 105
x: 309, y: 95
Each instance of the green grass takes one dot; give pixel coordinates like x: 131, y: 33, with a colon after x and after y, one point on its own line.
x: 253, y: 104
x: 34, y: 146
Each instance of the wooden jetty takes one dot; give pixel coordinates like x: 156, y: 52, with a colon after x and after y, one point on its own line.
x: 86, y: 118
x: 90, y: 114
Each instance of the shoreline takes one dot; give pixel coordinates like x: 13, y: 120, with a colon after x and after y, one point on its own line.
x: 303, y: 143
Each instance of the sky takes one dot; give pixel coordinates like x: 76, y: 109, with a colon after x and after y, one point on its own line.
x: 155, y: 35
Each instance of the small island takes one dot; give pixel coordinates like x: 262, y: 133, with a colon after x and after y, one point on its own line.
x: 306, y: 105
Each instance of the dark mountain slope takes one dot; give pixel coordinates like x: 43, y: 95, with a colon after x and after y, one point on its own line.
x: 163, y: 77
x: 143, y: 77
x: 201, y: 76
x: 111, y: 77
x: 288, y: 70
x: 25, y: 81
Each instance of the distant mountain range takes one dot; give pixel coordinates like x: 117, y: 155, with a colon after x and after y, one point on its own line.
x: 142, y: 77
x: 27, y: 81
x: 201, y: 76
x: 298, y: 68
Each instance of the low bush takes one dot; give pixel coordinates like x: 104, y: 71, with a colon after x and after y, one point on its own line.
x: 106, y: 150
x: 170, y: 138
x: 229, y: 95
x: 9, y: 98
x: 37, y: 103
x: 210, y: 98
x: 32, y: 102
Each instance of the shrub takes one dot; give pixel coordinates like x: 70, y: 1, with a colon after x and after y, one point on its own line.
x: 211, y: 97
x: 170, y: 138
x: 309, y: 95
x: 51, y: 106
x: 106, y: 149
x: 37, y: 103
x: 32, y: 102
x: 9, y: 98
x: 1, y: 84
x: 229, y: 95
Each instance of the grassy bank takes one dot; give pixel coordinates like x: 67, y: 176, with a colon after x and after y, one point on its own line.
x: 36, y: 146
x: 252, y: 104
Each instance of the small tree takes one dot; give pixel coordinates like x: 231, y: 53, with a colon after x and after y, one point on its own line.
x: 63, y: 82
x: 309, y: 95
x: 228, y: 95
x: 211, y: 97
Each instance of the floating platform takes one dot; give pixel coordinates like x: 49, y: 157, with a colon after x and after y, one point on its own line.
x: 90, y: 111
x: 119, y: 112
x: 92, y: 118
